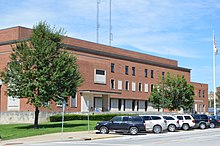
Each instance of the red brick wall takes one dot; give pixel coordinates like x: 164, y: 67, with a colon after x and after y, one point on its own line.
x: 201, y: 100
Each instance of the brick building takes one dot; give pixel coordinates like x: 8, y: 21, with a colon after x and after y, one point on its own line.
x: 114, y: 79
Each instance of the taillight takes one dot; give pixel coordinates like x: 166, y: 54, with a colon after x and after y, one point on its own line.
x: 177, y: 121
x: 218, y: 120
x: 193, y: 121
x: 165, y: 121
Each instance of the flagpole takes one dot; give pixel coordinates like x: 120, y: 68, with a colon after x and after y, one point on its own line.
x: 214, y: 53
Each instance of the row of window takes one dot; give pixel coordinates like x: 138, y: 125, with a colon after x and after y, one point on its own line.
x: 133, y: 86
x: 134, y: 72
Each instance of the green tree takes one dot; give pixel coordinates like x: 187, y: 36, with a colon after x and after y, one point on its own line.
x: 178, y: 94
x: 41, y: 70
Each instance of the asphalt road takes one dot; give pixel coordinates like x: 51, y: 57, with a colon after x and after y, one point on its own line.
x: 181, y: 138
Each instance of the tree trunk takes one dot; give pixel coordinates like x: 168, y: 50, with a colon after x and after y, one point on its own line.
x: 36, y: 118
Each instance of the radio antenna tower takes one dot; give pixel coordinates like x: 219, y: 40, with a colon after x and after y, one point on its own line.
x: 97, y: 24
x: 110, y: 23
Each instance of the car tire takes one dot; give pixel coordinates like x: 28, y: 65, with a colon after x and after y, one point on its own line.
x: 171, y: 128
x: 104, y: 130
x: 185, y: 127
x: 157, y: 129
x: 212, y: 125
x: 133, y: 130
x: 202, y: 126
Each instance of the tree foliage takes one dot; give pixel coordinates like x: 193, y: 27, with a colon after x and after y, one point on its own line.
x: 41, y: 70
x: 178, y: 94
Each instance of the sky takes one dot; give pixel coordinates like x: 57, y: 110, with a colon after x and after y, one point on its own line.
x: 176, y: 29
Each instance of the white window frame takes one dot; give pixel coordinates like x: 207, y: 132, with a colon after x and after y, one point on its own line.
x: 100, y: 79
x: 120, y: 84
x: 133, y: 86
x: 146, y: 88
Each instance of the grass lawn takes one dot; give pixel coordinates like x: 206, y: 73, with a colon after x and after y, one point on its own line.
x: 12, y: 131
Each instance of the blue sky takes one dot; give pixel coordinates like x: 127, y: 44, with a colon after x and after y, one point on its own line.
x: 175, y: 29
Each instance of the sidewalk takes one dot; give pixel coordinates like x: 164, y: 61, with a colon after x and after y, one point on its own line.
x: 72, y: 136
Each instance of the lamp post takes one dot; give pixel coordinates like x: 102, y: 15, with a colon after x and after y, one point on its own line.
x: 163, y: 92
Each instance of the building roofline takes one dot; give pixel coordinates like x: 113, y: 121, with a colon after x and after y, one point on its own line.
x: 108, y: 54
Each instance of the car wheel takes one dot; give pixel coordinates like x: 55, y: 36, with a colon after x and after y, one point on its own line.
x: 202, y: 126
x: 133, y: 130
x: 171, y: 128
x: 212, y: 125
x: 185, y: 127
x: 104, y: 130
x: 157, y: 129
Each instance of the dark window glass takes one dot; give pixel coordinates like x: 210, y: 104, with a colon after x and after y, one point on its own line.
x: 152, y: 73
x: 100, y: 72
x: 112, y: 84
x: 146, y: 117
x: 112, y: 67
x: 133, y: 71
x: 187, y: 117
x: 126, y: 70
x: 151, y: 87
x: 116, y: 119
x: 145, y: 73
x: 204, y: 117
x: 203, y: 93
x: 126, y: 85
x: 139, y: 87
x: 156, y: 118
x: 137, y: 119
x: 199, y: 93
x: 125, y: 118
x: 180, y: 117
x: 163, y: 73
x: 168, y: 118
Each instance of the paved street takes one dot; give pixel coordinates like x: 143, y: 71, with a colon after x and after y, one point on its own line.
x: 181, y: 138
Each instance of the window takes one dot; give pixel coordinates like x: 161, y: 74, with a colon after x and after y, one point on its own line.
x: 112, y: 84
x: 146, y: 118
x: 133, y: 86
x: 116, y: 119
x: 168, y: 118
x: 139, y: 87
x: 73, y: 100
x: 156, y: 117
x: 145, y: 87
x: 133, y: 71
x: 100, y: 76
x: 203, y: 93
x: 145, y: 73
x: 119, y: 85
x: 126, y: 70
x: 180, y: 117
x: 151, y: 87
x: 112, y: 67
x: 199, y: 93
x: 126, y: 85
x: 152, y: 73
x: 187, y: 117
x: 163, y: 73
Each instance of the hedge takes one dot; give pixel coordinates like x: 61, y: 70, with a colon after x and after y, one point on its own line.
x: 98, y: 117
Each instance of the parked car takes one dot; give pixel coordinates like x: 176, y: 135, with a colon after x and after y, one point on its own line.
x: 172, y: 123
x: 154, y: 123
x: 214, y: 122
x: 201, y: 121
x: 186, y: 121
x: 129, y: 124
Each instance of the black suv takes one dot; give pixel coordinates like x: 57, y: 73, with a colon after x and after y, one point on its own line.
x: 201, y: 121
x: 130, y: 124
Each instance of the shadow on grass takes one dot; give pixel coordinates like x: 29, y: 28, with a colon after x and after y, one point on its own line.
x: 57, y: 125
